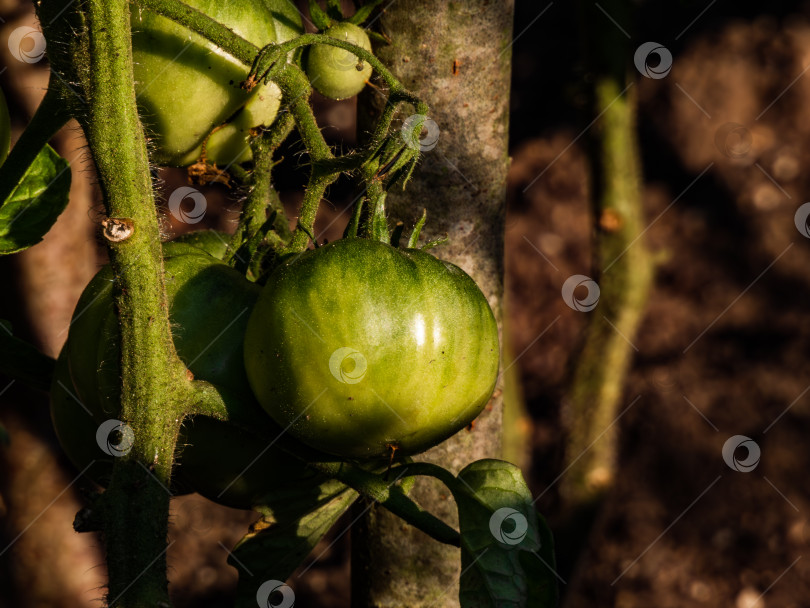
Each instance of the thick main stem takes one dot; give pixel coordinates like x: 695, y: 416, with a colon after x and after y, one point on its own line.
x: 624, y: 270
x: 136, y: 504
x: 462, y: 182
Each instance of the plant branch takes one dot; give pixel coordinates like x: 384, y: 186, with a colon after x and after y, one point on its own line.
x: 624, y: 269
x: 262, y: 195
x: 154, y: 382
x: 392, y: 498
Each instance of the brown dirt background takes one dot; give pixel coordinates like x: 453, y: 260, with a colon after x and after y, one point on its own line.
x: 723, y: 349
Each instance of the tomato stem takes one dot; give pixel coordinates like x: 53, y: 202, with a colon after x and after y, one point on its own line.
x: 154, y: 387
x: 392, y: 497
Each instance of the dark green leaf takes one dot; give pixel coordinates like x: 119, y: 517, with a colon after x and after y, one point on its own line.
x: 507, y: 553
x: 334, y: 9
x: 363, y: 12
x: 35, y: 203
x: 277, y: 545
x: 319, y: 17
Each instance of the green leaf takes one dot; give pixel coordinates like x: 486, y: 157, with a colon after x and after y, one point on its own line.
x: 276, y: 545
x: 319, y: 17
x: 35, y: 203
x: 334, y: 9
x: 364, y: 12
x: 507, y: 552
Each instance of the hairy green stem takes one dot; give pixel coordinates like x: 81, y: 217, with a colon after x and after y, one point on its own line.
x: 262, y: 195
x: 154, y: 383
x: 51, y: 115
x: 392, y: 498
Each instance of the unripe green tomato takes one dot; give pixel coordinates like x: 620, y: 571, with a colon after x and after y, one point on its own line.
x: 359, y: 348
x: 75, y: 427
x: 212, y: 242
x: 5, y: 129
x: 187, y: 86
x: 230, y: 143
x: 209, y: 304
x: 334, y: 71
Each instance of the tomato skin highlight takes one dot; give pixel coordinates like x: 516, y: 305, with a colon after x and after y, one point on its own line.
x: 358, y: 348
x: 332, y: 70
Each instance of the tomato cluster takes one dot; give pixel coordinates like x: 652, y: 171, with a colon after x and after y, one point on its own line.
x: 189, y: 91
x: 357, y: 349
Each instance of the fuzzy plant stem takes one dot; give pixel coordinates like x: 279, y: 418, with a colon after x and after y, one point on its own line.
x: 136, y: 504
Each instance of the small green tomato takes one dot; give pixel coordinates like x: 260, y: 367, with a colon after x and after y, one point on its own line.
x: 337, y: 73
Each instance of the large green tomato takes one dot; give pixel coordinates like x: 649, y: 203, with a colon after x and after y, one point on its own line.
x: 209, y: 305
x: 360, y: 348
x: 187, y: 86
x: 334, y: 71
